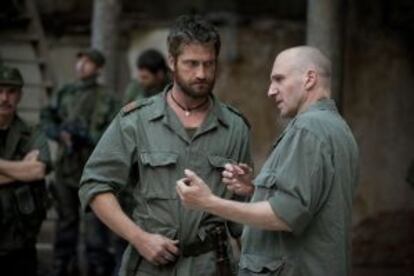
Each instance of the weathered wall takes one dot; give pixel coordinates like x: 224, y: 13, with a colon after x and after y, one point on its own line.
x: 378, y: 102
x: 378, y: 98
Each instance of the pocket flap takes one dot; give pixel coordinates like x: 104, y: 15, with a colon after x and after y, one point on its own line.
x: 156, y: 159
x: 219, y: 161
x: 24, y: 199
x: 256, y: 263
x: 265, y: 179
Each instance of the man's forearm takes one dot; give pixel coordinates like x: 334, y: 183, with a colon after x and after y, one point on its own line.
x: 259, y: 214
x: 107, y: 208
x: 23, y: 170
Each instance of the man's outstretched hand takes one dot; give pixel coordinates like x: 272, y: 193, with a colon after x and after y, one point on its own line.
x: 238, y: 179
x: 193, y: 191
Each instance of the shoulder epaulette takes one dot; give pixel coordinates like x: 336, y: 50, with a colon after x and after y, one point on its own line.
x: 134, y: 105
x: 237, y: 112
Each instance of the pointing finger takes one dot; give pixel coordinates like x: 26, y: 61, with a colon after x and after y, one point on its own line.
x: 246, y: 168
x: 192, y: 176
x: 227, y: 174
x: 229, y: 167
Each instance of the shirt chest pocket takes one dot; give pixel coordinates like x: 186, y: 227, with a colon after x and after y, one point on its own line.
x: 213, y: 174
x: 219, y: 162
x: 158, y: 174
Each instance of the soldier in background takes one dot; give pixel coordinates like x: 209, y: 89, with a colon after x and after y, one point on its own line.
x: 24, y: 161
x: 151, y: 76
x: 81, y: 113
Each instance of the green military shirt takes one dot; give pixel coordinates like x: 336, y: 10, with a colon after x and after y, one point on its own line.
x: 135, y: 91
x: 22, y: 204
x: 309, y: 180
x: 150, y: 145
x: 84, y: 109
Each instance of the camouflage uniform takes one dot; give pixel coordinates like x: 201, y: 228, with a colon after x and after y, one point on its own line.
x: 22, y: 204
x: 83, y: 109
x: 135, y: 91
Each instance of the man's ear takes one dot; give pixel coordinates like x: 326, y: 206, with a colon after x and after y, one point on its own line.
x: 171, y: 63
x: 311, y: 79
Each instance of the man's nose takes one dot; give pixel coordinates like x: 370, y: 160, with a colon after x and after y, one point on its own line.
x: 272, y: 91
x: 201, y: 72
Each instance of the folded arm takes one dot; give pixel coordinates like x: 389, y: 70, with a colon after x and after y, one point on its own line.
x: 27, y: 170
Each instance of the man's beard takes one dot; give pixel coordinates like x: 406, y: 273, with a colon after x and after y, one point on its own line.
x: 187, y: 89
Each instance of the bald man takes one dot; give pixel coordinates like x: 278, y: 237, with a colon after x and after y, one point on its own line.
x: 299, y: 217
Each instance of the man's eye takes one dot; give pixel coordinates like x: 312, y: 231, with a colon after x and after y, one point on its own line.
x: 209, y: 63
x: 278, y: 78
x: 192, y: 63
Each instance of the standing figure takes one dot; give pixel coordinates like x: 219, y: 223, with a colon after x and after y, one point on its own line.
x: 151, y: 76
x: 81, y: 113
x: 299, y: 218
x: 150, y: 143
x: 24, y: 161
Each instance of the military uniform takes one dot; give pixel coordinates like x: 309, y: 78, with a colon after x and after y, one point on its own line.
x: 84, y: 109
x: 309, y: 180
x: 148, y: 145
x: 135, y: 91
x: 23, y: 205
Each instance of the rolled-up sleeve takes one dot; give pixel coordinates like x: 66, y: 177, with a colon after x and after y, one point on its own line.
x: 108, y: 167
x: 300, y: 179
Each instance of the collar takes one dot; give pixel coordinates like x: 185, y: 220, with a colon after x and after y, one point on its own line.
x: 87, y: 83
x: 18, y: 124
x: 323, y: 104
x: 160, y: 107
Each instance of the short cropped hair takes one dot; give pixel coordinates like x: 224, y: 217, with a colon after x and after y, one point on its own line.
x: 152, y: 60
x: 192, y: 29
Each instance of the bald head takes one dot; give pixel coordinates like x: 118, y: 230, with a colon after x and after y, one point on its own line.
x: 304, y: 58
x: 300, y: 77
